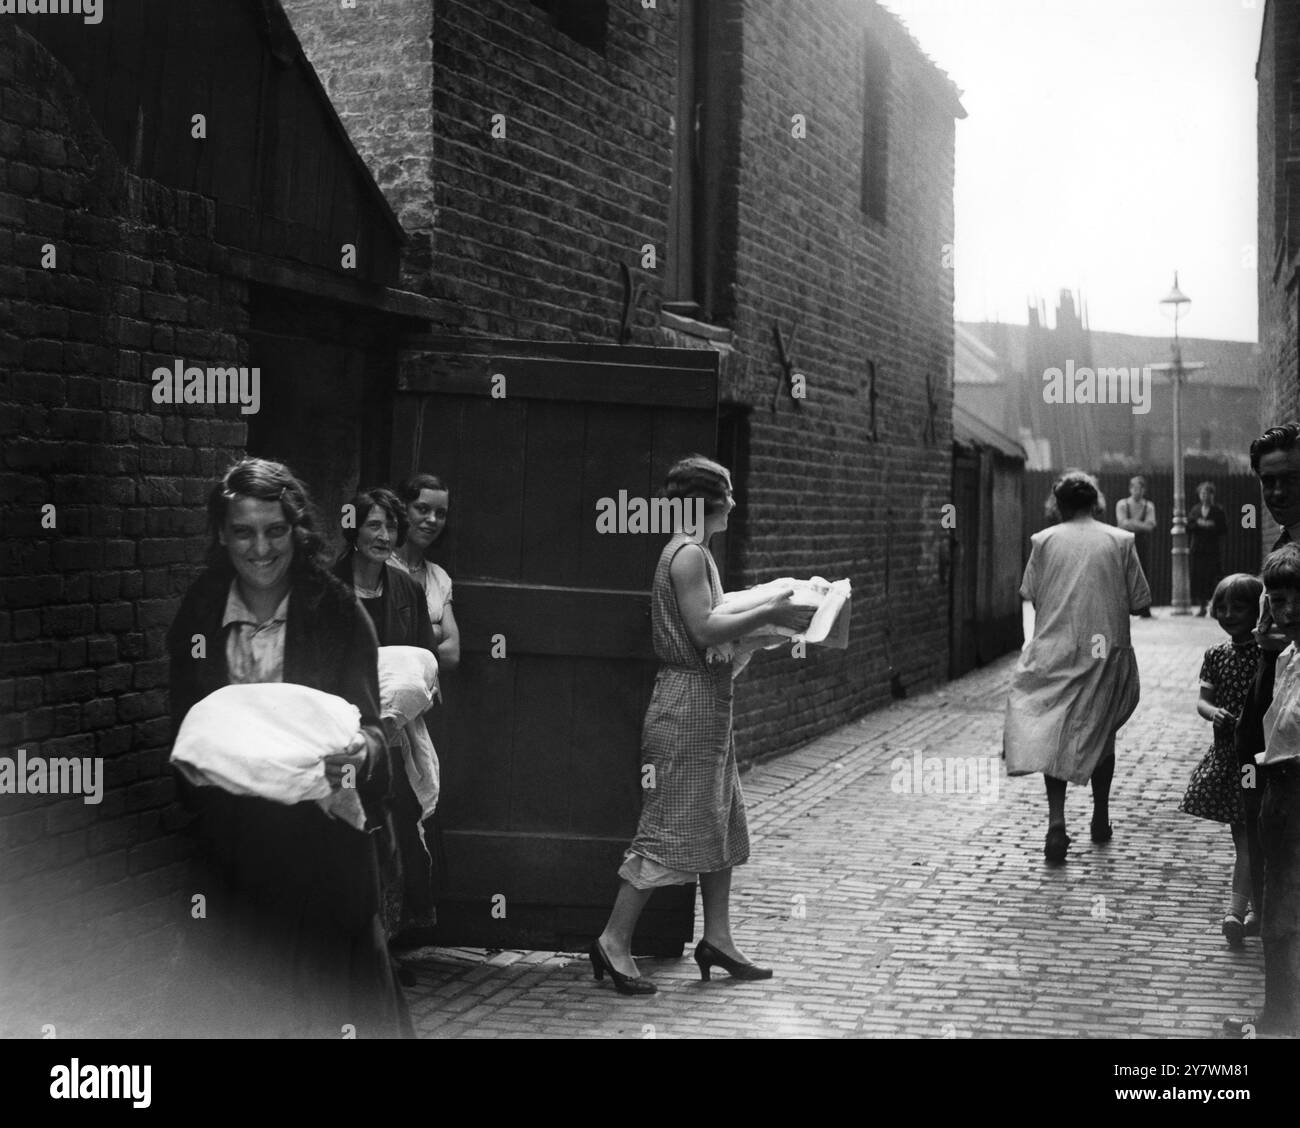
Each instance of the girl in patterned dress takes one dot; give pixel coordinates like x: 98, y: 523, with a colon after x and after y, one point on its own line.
x: 1215, y: 788
x: 692, y: 822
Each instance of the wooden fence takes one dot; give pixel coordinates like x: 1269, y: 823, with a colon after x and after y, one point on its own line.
x: 1232, y: 492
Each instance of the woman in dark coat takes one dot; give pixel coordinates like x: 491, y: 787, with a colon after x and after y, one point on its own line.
x: 396, y: 606
x: 287, y: 939
x: 1207, y: 525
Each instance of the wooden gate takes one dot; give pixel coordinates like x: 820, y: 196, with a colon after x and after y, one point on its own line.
x: 541, y: 755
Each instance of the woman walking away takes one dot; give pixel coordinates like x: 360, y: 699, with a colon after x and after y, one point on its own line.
x: 1077, y: 680
x: 693, y: 817
x: 1227, y: 673
x: 290, y: 943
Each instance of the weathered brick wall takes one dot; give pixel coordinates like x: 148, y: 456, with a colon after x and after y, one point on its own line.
x: 90, y: 890
x: 822, y: 489
x: 529, y: 230
x: 1279, y: 332
x: 376, y: 62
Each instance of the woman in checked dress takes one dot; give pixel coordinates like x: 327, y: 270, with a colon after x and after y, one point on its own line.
x: 693, y: 817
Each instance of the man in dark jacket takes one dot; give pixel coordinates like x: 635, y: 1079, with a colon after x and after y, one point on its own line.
x: 1273, y: 838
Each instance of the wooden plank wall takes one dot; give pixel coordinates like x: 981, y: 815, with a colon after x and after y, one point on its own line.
x: 286, y: 181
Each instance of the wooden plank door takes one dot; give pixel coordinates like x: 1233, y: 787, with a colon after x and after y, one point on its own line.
x: 965, y: 568
x: 541, y: 754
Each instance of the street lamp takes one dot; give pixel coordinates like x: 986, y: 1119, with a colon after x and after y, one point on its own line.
x: 1174, y: 302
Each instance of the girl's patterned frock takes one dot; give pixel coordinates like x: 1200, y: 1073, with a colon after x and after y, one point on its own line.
x: 1215, y: 788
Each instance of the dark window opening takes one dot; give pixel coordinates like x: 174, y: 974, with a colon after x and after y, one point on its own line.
x: 875, y: 130
x: 583, y: 21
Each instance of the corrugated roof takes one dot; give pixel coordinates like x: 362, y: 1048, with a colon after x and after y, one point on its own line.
x: 973, y: 431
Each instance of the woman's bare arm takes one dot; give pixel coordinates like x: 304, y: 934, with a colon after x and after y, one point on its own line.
x: 707, y: 627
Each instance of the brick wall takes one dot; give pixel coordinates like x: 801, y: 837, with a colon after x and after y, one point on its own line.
x: 380, y: 79
x: 1279, y: 333
x: 89, y: 890
x: 526, y: 231
x: 821, y: 486
x: 529, y: 229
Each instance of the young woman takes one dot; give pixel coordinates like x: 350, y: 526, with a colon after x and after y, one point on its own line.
x: 396, y: 606
x: 289, y: 943
x: 693, y: 819
x: 426, y: 500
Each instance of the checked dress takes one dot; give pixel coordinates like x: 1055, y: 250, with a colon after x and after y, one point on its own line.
x: 693, y: 817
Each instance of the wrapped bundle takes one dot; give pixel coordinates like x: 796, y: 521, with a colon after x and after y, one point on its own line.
x: 408, y: 681
x: 408, y: 685
x: 829, y: 626
x: 270, y: 740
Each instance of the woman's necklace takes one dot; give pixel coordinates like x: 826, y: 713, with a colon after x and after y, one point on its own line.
x: 364, y: 592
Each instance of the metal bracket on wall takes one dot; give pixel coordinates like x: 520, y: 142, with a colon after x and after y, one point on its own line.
x: 631, y: 300
x: 872, y: 396
x: 784, y: 352
x: 930, y: 433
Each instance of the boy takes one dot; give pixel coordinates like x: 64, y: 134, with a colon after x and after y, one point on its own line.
x: 1279, y: 818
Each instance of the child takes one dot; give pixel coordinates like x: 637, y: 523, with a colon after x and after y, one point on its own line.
x: 1215, y: 788
x: 1279, y: 808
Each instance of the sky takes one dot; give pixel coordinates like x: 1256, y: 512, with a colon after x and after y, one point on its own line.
x: 1108, y: 143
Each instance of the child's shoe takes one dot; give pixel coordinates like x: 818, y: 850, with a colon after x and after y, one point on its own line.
x: 1251, y: 923
x: 1234, y: 930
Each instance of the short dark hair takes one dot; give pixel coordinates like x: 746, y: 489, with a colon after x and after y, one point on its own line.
x: 264, y: 480
x: 698, y: 476
x: 1207, y: 484
x: 365, y: 501
x: 411, y: 489
x: 1240, y: 587
x: 1282, y: 568
x: 1075, y: 492
x: 1283, y: 437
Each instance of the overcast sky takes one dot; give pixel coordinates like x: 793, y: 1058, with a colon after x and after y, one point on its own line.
x: 1108, y: 143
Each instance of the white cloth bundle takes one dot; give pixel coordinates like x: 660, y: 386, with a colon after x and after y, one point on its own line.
x: 408, y: 684
x: 269, y: 740
x: 1282, y: 721
x: 829, y: 626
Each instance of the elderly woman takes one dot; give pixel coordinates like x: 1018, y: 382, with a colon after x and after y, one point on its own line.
x: 1207, y: 525
x: 1135, y: 514
x: 1077, y: 680
x: 290, y: 943
x: 396, y: 606
x: 693, y: 816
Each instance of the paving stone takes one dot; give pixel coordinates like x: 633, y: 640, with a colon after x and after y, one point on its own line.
x: 931, y: 915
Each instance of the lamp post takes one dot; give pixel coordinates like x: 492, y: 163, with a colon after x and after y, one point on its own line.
x: 1174, y: 301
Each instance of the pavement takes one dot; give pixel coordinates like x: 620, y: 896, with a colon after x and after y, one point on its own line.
x: 897, y: 886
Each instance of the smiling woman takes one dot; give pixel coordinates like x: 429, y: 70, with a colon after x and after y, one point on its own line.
x: 289, y: 941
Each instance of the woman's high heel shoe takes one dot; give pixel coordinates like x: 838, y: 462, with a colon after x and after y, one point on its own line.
x: 626, y: 985
x: 706, y: 955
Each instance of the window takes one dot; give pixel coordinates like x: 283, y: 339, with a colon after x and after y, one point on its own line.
x: 583, y: 21
x: 875, y: 128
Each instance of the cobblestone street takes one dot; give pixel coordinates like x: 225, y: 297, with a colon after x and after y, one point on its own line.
x: 895, y: 914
